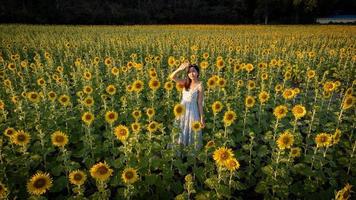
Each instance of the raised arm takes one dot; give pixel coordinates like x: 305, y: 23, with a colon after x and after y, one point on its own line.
x: 173, y: 77
x: 200, y: 104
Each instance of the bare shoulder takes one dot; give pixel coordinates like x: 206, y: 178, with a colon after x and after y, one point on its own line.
x: 201, y: 86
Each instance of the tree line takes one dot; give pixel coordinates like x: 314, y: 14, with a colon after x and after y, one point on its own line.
x: 171, y: 11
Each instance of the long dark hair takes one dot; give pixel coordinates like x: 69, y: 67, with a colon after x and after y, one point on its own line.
x: 188, y: 81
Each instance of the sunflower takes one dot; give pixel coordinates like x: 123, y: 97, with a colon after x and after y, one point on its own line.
x: 41, y: 82
x: 179, y: 110
x: 136, y: 114
x: 250, y: 84
x: 280, y: 111
x: 296, y: 91
x: 87, y: 89
x: 64, y: 100
x: 88, y: 101
x: 329, y: 86
x: 204, y: 64
x: 210, y: 144
x: 344, y: 193
x: 52, y: 96
x: 217, y: 107
x: 129, y: 175
x: 264, y: 76
x: 298, y: 111
x: 115, y: 71
x: 34, y: 97
x: 21, y: 138
x: 121, y: 132
x: 263, y: 97
x: 59, y: 139
x: 250, y: 101
x: 150, y: 112
x: 205, y: 55
x: 110, y: 89
x: 236, y: 67
x: 87, y: 75
x: 168, y: 86
x: 101, y: 171
x: 152, y: 126
x: 326, y: 94
x: 108, y: 61
x: 111, y: 117
x: 295, y: 152
x: 285, y: 141
x: 3, y: 191
x: 348, y: 102
x: 323, y: 140
x: 7, y: 83
x: 287, y: 75
x: 77, y: 177
x: 11, y: 66
x: 220, y: 64
x: 232, y: 164
x: 249, y: 67
x: 39, y: 183
x: 129, y: 88
x: 154, y: 84
x: 240, y: 83
x: 221, y: 155
x: 9, y: 132
x: 171, y: 61
x: 137, y: 86
x: 278, y: 88
x: 211, y: 82
x: 179, y: 87
x: 288, y: 93
x: 196, y: 126
x: 229, y: 117
x: 88, y: 118
x: 136, y: 127
x: 153, y: 74
x: 336, y: 136
x: 221, y: 82
x: 349, y: 91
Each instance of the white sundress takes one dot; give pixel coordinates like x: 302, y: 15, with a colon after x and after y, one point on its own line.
x: 187, y: 136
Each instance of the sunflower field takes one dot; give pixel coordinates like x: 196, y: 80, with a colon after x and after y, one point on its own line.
x: 88, y: 112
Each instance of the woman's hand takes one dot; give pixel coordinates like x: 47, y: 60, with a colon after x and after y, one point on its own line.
x: 184, y: 65
x: 202, y: 123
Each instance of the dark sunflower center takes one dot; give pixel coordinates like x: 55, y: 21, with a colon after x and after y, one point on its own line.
x: 323, y: 139
x: 78, y: 177
x: 59, y: 138
x: 111, y: 115
x: 224, y: 155
x: 286, y: 140
x: 129, y: 175
x: 123, y: 132
x: 39, y: 183
x: 21, y: 138
x: 103, y: 170
x: 229, y: 116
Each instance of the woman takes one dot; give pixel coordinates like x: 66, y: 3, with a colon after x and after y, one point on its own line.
x: 192, y: 100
